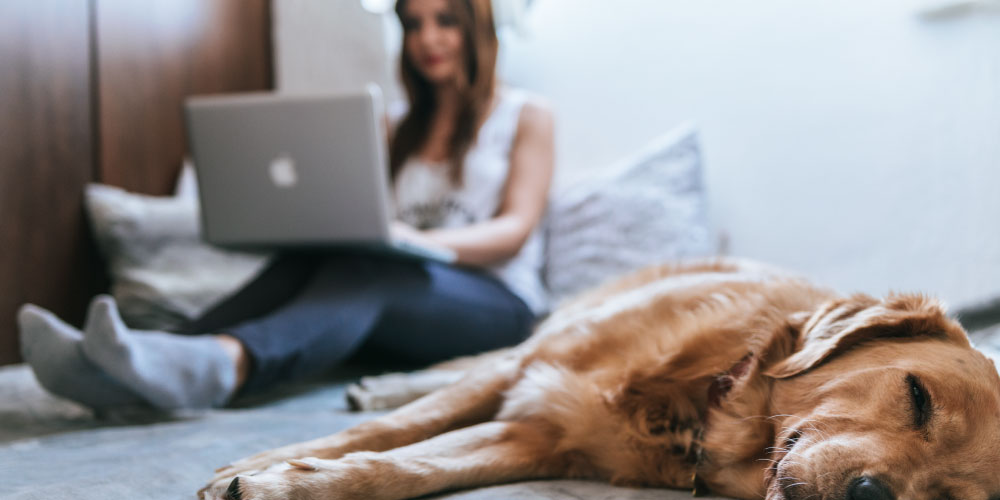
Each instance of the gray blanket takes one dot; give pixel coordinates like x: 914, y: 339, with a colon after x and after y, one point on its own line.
x: 53, y: 449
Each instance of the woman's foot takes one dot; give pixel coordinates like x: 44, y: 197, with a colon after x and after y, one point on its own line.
x: 169, y: 370
x: 54, y: 350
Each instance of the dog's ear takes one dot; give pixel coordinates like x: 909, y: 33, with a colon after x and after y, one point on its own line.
x: 841, y: 324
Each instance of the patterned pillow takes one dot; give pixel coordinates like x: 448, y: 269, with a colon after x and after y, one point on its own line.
x: 162, y: 274
x: 641, y: 211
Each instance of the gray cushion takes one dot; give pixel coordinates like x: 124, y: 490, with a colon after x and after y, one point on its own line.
x: 644, y: 210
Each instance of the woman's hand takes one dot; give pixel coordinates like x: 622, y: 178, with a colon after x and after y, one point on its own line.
x: 401, y: 231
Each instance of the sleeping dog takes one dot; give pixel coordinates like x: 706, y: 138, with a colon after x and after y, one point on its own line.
x: 725, y: 377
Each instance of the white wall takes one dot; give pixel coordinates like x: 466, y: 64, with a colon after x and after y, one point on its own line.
x: 331, y: 45
x: 851, y: 140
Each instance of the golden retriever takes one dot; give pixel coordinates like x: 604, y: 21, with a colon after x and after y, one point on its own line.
x: 725, y: 377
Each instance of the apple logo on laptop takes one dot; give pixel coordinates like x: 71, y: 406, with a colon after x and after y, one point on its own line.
x: 283, y: 173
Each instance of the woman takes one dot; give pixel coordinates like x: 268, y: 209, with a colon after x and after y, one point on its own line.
x: 471, y: 164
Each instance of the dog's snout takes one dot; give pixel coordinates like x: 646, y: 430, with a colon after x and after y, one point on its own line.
x: 868, y: 488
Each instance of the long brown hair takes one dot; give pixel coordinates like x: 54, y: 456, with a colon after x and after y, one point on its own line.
x: 475, y: 85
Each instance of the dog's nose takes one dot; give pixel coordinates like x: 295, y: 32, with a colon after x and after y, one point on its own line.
x: 868, y: 488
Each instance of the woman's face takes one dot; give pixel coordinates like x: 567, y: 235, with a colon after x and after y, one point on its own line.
x: 432, y: 40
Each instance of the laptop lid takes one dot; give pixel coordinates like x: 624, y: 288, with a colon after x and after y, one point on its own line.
x: 290, y: 170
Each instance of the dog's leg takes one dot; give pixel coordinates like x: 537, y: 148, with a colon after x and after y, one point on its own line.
x: 484, y: 454
x: 468, y: 363
x: 474, y: 399
x: 393, y: 390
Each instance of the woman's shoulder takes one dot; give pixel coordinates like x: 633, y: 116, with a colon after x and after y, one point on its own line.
x: 532, y: 109
x: 526, y: 99
x: 535, y: 110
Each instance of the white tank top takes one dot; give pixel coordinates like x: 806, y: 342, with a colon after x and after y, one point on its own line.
x: 425, y: 197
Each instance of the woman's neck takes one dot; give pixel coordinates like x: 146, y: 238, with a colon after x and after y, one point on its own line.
x: 446, y: 100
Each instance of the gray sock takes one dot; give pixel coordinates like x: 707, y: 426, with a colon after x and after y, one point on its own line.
x: 53, y: 349
x: 170, y: 371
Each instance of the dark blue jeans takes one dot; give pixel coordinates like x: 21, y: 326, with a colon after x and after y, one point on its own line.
x: 306, y: 313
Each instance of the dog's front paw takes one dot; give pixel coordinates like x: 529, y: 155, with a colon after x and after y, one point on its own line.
x: 248, y: 466
x: 218, y: 487
x: 298, y: 479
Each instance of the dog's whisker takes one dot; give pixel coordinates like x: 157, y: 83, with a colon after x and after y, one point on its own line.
x: 780, y: 415
x: 821, y: 476
x: 821, y: 433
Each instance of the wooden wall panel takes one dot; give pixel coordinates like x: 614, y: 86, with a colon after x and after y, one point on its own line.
x: 91, y: 91
x: 46, y: 256
x: 151, y: 54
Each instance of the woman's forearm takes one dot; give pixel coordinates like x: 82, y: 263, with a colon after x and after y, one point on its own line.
x: 485, y: 243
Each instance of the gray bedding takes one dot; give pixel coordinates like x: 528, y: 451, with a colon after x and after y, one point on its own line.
x: 53, y: 449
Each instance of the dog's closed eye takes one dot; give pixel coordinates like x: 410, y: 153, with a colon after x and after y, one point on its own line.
x: 920, y: 401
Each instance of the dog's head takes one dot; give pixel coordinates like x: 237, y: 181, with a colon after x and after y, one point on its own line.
x: 885, y: 400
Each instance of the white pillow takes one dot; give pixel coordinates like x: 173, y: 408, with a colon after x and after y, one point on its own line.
x: 162, y: 274
x: 644, y: 210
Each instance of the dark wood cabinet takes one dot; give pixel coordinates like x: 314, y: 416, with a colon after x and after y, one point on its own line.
x: 91, y: 91
x: 46, y: 156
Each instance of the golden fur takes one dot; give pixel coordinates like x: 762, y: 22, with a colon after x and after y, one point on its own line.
x: 724, y: 376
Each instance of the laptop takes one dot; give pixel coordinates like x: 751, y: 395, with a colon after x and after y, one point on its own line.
x: 295, y: 171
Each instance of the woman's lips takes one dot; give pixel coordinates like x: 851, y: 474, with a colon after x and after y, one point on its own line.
x: 433, y: 60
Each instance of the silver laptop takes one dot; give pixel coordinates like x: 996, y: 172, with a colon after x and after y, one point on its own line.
x: 295, y: 171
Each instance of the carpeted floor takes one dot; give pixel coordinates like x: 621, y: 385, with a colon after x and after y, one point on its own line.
x: 53, y: 449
